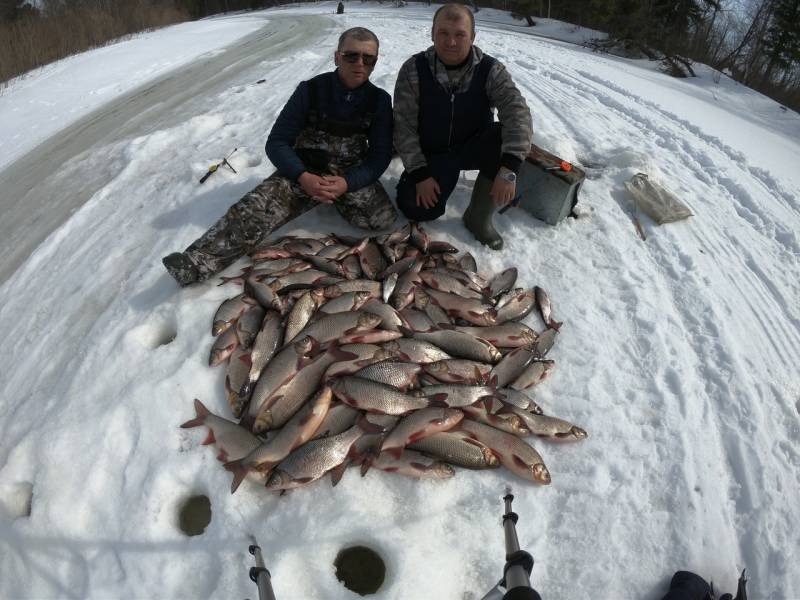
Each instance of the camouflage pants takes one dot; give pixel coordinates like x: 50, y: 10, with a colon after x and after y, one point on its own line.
x: 271, y: 204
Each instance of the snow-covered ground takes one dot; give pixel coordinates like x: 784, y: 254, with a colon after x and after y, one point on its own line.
x: 679, y: 354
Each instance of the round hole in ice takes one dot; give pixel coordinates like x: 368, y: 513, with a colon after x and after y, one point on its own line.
x: 195, y: 515
x: 154, y: 335
x: 360, y: 569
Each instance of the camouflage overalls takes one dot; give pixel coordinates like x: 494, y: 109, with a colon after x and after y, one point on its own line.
x: 278, y: 200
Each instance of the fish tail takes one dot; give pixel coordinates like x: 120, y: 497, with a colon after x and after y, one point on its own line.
x: 200, y: 419
x: 553, y: 324
x: 368, y: 427
x: 239, y: 471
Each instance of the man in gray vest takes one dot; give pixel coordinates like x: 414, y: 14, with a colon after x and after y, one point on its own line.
x: 444, y: 100
x: 330, y: 144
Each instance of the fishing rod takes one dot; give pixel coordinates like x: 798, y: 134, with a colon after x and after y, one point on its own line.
x: 516, y: 583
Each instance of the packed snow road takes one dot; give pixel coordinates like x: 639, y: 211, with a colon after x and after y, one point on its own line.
x: 43, y: 188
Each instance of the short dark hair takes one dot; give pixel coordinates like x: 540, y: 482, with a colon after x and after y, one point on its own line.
x: 362, y: 34
x: 452, y: 11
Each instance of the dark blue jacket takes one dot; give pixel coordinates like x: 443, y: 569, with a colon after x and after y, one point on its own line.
x: 344, y: 105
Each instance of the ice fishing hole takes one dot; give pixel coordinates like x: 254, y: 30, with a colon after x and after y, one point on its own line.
x: 195, y: 515
x: 154, y: 335
x: 360, y: 569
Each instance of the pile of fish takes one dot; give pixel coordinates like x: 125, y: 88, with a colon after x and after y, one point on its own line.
x: 386, y: 352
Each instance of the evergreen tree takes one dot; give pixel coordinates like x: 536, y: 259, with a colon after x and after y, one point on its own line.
x: 782, y: 42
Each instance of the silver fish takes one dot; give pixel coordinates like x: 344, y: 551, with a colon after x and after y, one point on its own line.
x: 416, y: 320
x: 459, y: 345
x: 232, y: 440
x: 467, y: 262
x: 374, y: 336
x: 371, y: 260
x: 334, y: 251
x: 457, y: 370
x: 349, y: 302
x: 512, y: 366
x: 333, y: 327
x: 364, y: 354
x: 419, y: 425
x: 229, y: 311
x: 388, y: 286
x: 390, y: 319
x: 518, y: 399
x: 296, y: 432
x: 447, y: 283
x: 328, y: 265
x: 552, y: 428
x: 282, y: 368
x: 508, y: 335
x: 413, y: 464
x: 303, y: 279
x: 403, y: 293
x: 301, y: 313
x: 435, y: 312
x: 544, y: 342
x: 457, y: 395
x: 469, y: 309
x: 514, y: 454
x: 354, y: 285
x: 419, y: 237
x: 546, y: 309
x: 517, y: 307
x: 417, y: 351
x: 458, y: 448
x: 399, y: 267
x: 223, y: 347
x: 284, y: 402
x: 352, y: 267
x: 536, y: 372
x: 248, y: 324
x: 314, y: 459
x: 502, y: 421
x: 377, y: 397
x: 502, y: 282
x: 400, y: 375
x: 235, y: 378
x: 269, y: 338
x: 262, y: 292
x: 437, y: 247
x: 339, y: 418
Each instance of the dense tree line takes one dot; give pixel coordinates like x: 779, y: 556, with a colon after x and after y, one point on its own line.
x: 758, y: 44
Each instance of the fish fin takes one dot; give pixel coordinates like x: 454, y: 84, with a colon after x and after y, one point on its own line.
x: 239, y: 471
x: 341, y: 355
x: 405, y: 331
x: 395, y: 453
x: 202, y: 413
x: 210, y: 439
x: 368, y: 427
x: 492, y: 383
x: 222, y: 456
x: 553, y: 324
x: 438, y: 400
x: 338, y: 471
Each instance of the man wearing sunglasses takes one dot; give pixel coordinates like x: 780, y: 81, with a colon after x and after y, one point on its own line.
x: 330, y: 144
x: 444, y: 102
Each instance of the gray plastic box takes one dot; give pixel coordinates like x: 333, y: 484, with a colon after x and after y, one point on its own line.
x: 548, y: 192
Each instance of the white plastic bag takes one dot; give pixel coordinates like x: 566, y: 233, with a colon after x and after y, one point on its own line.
x: 655, y: 201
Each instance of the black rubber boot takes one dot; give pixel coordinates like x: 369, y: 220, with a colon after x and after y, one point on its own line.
x: 478, y: 216
x: 182, y: 269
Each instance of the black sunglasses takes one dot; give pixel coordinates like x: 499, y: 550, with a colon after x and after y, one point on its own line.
x: 352, y: 57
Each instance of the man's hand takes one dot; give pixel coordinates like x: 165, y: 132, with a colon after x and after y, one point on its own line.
x: 502, y: 191
x: 316, y: 187
x: 428, y: 192
x: 335, y: 184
